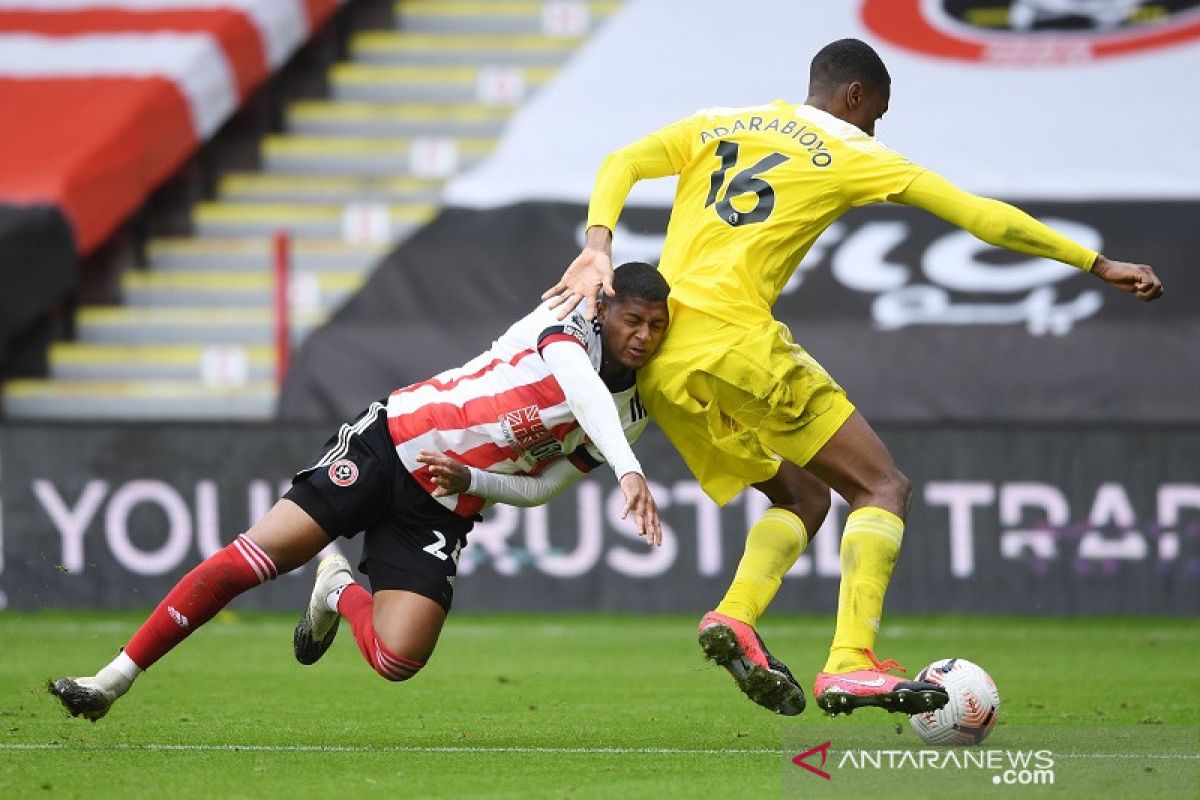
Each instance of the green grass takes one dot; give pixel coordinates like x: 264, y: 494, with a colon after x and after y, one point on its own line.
x: 570, y: 706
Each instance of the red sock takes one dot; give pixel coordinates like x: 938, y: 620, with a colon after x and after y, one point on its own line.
x: 356, y: 605
x: 198, y: 597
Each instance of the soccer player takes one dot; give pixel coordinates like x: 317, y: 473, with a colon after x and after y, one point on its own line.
x: 548, y: 402
x: 731, y: 389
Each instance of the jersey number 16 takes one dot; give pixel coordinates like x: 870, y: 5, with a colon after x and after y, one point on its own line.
x: 744, y: 182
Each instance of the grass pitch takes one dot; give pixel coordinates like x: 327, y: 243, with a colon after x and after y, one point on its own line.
x: 586, y: 706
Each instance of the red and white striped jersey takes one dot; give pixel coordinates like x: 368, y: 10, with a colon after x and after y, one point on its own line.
x: 504, y: 411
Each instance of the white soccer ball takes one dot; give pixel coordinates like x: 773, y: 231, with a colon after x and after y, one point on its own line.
x: 970, y: 714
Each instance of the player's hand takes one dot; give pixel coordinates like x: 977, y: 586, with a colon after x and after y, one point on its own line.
x: 449, y: 476
x: 1136, y: 279
x: 589, y: 273
x: 640, y: 503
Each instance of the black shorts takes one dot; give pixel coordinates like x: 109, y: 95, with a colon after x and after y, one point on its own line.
x: 359, y: 484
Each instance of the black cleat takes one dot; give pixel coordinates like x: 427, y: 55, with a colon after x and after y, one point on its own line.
x: 907, y: 697
x: 841, y: 693
x: 309, y: 649
x: 81, y: 698
x: 763, y: 678
x: 316, y: 629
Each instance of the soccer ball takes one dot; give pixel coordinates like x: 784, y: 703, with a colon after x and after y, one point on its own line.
x: 974, y: 704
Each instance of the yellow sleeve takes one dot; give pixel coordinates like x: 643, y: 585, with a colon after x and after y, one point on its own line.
x: 992, y: 221
x: 656, y: 155
x: 875, y: 173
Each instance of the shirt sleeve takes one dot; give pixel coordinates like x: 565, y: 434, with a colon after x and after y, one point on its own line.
x: 591, y: 404
x: 876, y: 173
x: 993, y: 221
x: 572, y: 329
x: 524, y: 490
x: 655, y: 155
x: 586, y: 457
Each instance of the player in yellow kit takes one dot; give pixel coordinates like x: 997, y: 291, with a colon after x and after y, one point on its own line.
x: 732, y: 391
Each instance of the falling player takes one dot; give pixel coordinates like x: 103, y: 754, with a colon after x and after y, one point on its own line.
x: 518, y: 424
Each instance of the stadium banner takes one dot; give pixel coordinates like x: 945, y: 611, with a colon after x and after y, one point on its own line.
x: 1026, y: 520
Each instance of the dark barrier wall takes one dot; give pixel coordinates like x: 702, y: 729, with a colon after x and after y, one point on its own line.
x: 1027, y: 520
x: 37, y: 265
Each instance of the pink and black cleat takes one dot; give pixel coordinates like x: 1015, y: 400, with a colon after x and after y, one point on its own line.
x: 763, y: 678
x: 842, y: 692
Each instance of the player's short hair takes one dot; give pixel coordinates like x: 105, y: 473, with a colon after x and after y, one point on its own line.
x: 641, y: 280
x: 846, y: 61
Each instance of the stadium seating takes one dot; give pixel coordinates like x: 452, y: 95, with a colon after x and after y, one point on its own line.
x: 352, y: 175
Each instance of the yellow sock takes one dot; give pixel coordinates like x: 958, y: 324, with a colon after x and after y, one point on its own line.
x: 772, y: 546
x: 870, y: 545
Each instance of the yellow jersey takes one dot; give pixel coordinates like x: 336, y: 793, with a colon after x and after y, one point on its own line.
x: 730, y: 388
x: 758, y: 185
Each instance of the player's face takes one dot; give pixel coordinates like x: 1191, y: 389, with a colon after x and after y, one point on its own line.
x: 632, y: 329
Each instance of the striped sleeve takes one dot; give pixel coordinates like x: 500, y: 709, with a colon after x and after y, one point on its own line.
x: 572, y: 329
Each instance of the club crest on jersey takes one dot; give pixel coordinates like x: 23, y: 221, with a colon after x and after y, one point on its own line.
x: 575, y: 326
x: 343, y: 472
x: 524, y: 432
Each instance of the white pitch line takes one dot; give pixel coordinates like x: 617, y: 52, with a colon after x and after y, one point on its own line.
x: 320, y: 748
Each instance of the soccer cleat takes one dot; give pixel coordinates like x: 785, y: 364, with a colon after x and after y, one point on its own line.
x: 763, y: 678
x: 316, y: 629
x: 82, y: 697
x: 841, y: 693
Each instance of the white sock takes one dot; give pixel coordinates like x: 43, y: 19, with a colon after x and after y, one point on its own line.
x: 331, y: 599
x: 124, y: 665
x: 119, y: 675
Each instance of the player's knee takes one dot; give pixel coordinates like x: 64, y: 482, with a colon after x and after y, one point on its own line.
x: 899, y: 488
x: 811, y: 511
x: 392, y: 665
x: 814, y: 509
x: 800, y: 493
x: 397, y: 677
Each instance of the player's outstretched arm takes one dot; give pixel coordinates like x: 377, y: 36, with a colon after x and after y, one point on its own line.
x: 1003, y: 225
x: 593, y: 407
x: 448, y: 476
x: 591, y: 272
x: 1138, y: 280
x: 452, y: 477
x: 640, y: 502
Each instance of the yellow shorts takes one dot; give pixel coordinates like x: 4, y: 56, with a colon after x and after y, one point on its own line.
x: 721, y: 392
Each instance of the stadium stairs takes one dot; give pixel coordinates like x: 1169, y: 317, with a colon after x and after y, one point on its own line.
x: 192, y: 337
